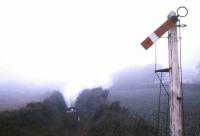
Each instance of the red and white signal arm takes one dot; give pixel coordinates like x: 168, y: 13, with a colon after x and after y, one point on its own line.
x: 150, y: 40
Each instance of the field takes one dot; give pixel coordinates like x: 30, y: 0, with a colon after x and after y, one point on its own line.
x: 143, y: 101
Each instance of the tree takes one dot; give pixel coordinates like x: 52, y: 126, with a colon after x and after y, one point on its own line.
x: 89, y: 101
x: 101, y: 118
x: 40, y: 118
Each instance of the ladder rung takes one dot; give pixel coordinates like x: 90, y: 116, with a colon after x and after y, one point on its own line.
x: 163, y: 70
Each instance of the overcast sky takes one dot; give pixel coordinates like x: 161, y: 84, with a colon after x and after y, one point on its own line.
x: 81, y: 43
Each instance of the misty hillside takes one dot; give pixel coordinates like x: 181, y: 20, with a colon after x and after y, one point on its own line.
x: 133, y: 77
x: 129, y: 106
x: 135, y: 89
x: 97, y: 117
x: 14, y: 95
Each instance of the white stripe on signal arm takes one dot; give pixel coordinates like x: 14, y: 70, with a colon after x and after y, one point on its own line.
x: 153, y: 37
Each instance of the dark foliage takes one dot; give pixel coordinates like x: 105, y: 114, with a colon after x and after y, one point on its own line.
x: 101, y: 118
x: 42, y: 118
x: 90, y: 101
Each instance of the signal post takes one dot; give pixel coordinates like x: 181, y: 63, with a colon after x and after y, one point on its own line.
x: 175, y: 95
x: 175, y: 92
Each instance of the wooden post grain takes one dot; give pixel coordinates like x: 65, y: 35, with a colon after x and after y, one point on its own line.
x: 175, y: 97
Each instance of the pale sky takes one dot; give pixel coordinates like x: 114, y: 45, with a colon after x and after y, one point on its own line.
x: 81, y: 43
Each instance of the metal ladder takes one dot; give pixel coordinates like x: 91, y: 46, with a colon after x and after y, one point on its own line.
x: 163, y: 105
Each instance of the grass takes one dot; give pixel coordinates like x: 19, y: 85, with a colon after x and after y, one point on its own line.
x: 143, y: 101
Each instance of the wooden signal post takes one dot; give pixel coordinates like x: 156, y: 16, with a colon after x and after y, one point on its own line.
x: 175, y: 94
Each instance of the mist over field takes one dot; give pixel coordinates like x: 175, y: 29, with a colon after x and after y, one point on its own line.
x: 135, y: 89
x: 14, y: 93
